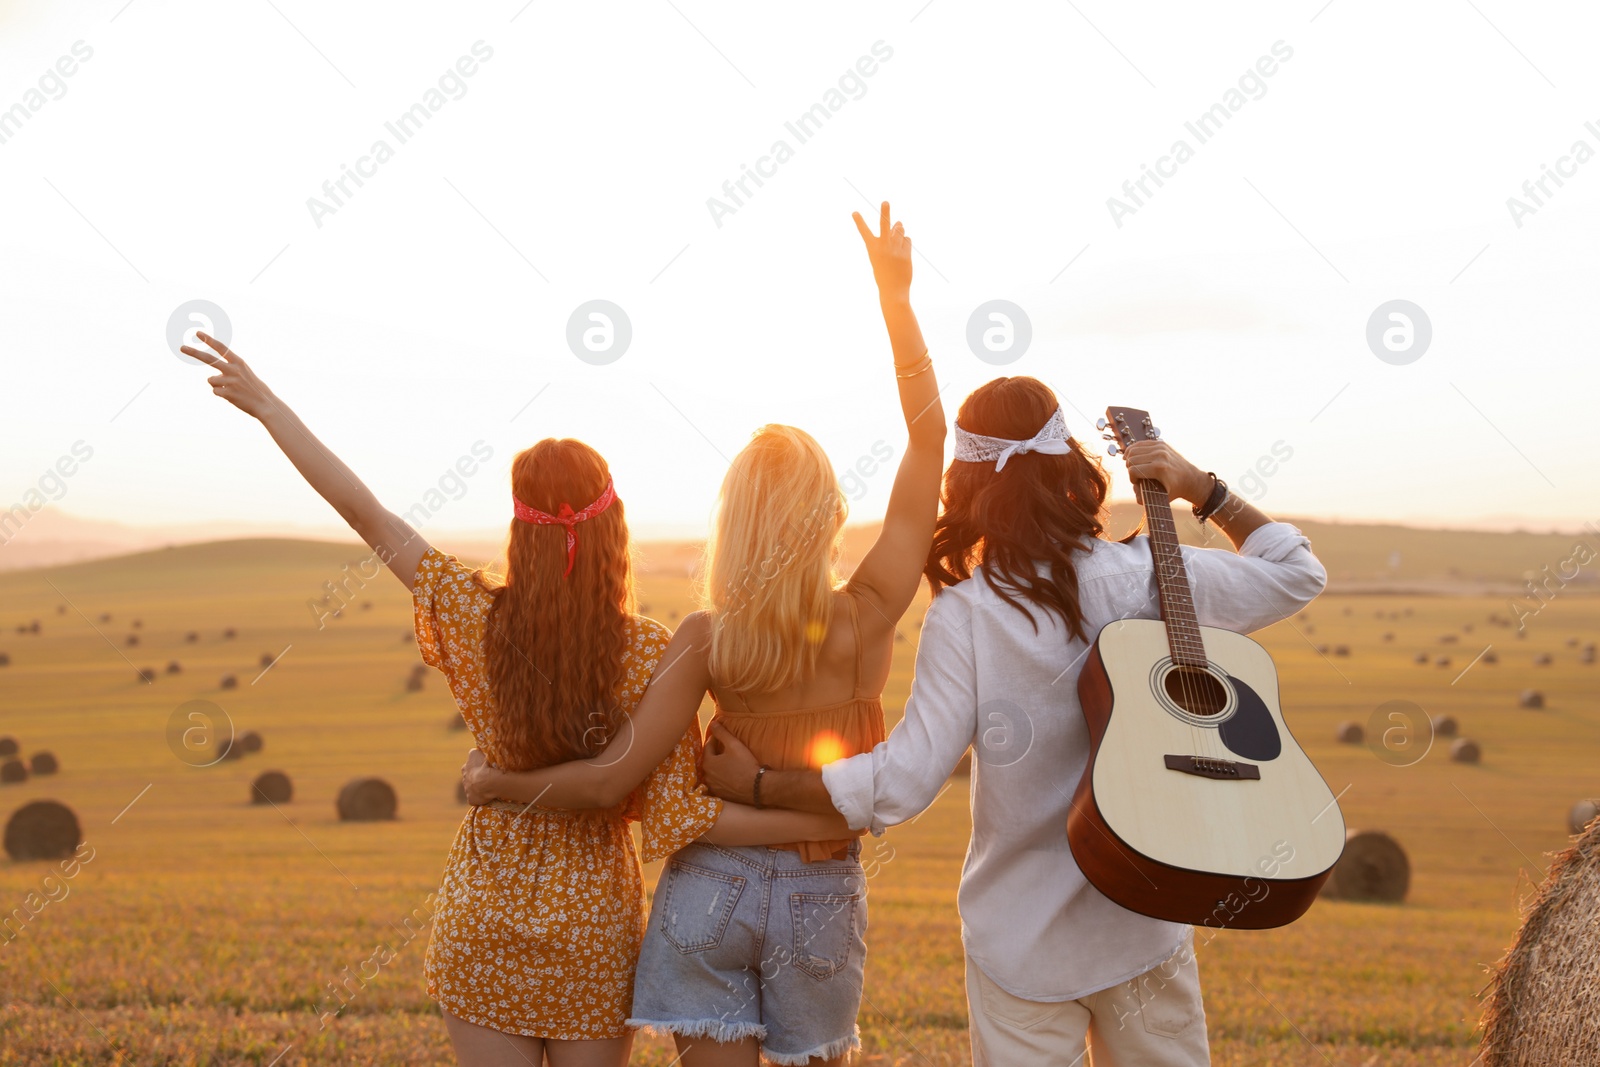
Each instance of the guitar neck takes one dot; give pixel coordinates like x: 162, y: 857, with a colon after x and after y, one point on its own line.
x: 1172, y: 581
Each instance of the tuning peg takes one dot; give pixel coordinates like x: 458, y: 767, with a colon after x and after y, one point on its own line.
x: 1107, y: 437
x: 1100, y: 424
x: 1112, y: 449
x: 1155, y: 431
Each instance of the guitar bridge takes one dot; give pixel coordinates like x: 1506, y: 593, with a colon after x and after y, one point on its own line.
x: 1211, y: 767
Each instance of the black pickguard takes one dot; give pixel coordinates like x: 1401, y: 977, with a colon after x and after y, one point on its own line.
x: 1250, y: 732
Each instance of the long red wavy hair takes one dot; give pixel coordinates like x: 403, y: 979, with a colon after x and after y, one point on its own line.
x: 554, y: 644
x: 1037, y: 511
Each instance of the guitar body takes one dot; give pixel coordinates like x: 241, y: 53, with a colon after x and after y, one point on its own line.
x: 1197, y: 805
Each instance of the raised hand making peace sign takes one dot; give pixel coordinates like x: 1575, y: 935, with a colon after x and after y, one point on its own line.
x: 890, y: 252
x: 234, y: 381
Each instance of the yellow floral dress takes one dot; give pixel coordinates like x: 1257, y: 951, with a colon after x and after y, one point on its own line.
x: 540, y: 914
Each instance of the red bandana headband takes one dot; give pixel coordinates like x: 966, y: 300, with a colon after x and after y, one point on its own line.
x: 568, y: 518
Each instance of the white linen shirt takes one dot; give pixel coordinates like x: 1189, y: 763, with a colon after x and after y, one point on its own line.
x: 984, y: 678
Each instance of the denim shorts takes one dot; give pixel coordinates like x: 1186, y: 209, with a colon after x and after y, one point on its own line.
x: 754, y: 942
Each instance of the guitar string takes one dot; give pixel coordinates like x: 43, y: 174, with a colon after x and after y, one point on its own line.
x: 1162, y: 537
x: 1181, y: 620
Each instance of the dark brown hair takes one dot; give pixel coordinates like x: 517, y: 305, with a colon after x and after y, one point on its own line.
x: 1037, y: 510
x: 554, y: 644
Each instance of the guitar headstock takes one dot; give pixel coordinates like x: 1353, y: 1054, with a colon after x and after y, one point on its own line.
x: 1127, y: 425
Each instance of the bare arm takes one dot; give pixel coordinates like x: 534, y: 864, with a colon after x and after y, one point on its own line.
x: 730, y: 772
x: 394, y: 542
x: 741, y: 825
x: 889, y: 574
x: 646, y: 738
x: 1159, y: 461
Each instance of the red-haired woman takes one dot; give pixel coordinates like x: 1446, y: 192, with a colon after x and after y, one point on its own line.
x: 539, y: 917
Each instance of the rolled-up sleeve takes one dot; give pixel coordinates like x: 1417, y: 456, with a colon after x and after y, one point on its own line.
x: 902, y: 775
x: 1273, y: 575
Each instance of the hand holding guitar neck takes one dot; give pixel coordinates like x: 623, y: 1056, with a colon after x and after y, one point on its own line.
x: 1157, y: 461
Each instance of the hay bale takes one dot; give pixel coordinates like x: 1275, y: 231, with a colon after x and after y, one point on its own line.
x: 13, y: 771
x: 9, y: 746
x: 1490, y: 657
x: 366, y: 605
x: 229, y: 634
x: 414, y: 683
x: 1350, y: 733
x: 1388, y: 637
x: 1341, y: 650
x: 1543, y: 659
x: 5, y: 659
x: 407, y: 637
x: 105, y: 616
x: 232, y: 749
x: 42, y: 830
x: 1322, y: 650
x: 191, y: 638
x: 1531, y: 699
x: 1582, y: 814
x: 174, y: 667
x: 1445, y: 726
x: 266, y: 659
x: 1420, y: 658
x: 228, y: 682
x: 1442, y: 661
x: 271, y: 787
x: 43, y: 763
x: 132, y: 641
x: 1586, y: 658
x: 1540, y: 1006
x: 1465, y: 750
x: 457, y: 722
x: 1372, y: 867
x: 250, y: 741
x: 147, y: 674
x: 367, y: 800
x: 1449, y: 639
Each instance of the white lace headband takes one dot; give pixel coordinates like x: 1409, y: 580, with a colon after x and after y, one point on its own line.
x: 975, y: 448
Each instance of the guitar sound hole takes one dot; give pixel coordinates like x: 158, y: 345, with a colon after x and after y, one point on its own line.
x: 1196, y: 691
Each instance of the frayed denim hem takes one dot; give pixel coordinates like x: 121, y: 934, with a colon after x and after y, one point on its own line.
x: 852, y: 1043
x: 718, y: 1030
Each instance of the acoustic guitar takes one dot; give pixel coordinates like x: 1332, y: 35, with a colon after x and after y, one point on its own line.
x: 1197, y: 805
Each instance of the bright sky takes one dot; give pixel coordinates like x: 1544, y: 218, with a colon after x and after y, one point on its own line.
x: 1364, y: 153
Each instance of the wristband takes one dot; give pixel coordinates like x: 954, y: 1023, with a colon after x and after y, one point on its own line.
x: 756, y: 789
x: 1219, y: 495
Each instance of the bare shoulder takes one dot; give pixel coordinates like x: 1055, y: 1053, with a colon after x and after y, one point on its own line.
x: 695, y: 626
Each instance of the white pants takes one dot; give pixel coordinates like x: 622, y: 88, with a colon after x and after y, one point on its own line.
x: 1154, y: 1020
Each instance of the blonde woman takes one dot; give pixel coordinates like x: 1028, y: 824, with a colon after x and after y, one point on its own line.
x: 540, y: 913
x: 757, y: 951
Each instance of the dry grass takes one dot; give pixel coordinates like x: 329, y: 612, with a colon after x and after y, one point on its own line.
x: 207, y: 930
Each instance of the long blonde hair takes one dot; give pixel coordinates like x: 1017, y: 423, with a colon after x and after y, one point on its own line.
x: 772, y: 561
